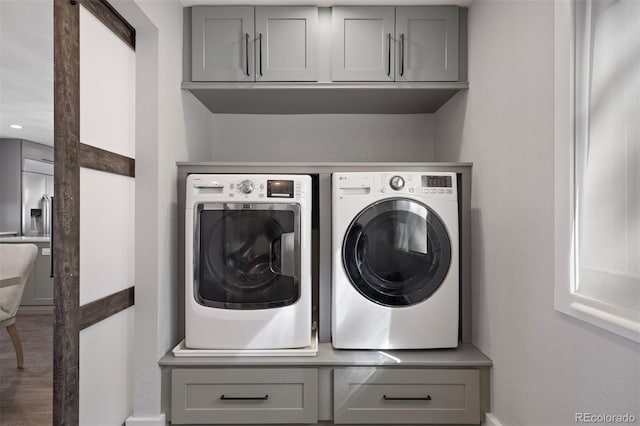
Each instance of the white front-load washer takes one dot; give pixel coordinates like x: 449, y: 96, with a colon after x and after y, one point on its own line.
x: 247, y: 261
x: 395, y: 260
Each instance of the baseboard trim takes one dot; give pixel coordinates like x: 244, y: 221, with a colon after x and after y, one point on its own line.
x: 491, y: 420
x: 159, y: 420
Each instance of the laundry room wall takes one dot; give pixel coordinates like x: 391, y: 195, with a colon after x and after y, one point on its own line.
x: 171, y: 125
x: 546, y: 366
x: 323, y: 137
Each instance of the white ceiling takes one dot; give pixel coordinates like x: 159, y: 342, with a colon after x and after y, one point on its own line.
x: 26, y: 69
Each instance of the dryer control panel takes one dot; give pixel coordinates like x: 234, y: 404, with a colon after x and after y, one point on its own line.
x: 441, y: 185
x: 438, y: 185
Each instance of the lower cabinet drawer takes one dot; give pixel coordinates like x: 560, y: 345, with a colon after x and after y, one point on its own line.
x: 244, y: 395
x: 409, y: 396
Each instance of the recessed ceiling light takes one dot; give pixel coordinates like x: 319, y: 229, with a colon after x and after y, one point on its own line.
x: 15, y: 126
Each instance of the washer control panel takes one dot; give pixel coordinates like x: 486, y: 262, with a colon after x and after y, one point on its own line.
x: 248, y: 187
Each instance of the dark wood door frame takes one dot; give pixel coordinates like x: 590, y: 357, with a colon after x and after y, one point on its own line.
x: 70, y: 155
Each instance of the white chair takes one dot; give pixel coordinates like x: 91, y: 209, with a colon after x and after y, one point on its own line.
x: 16, y: 263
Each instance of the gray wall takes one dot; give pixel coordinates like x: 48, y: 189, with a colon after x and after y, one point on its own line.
x: 171, y: 125
x: 547, y: 366
x: 330, y: 137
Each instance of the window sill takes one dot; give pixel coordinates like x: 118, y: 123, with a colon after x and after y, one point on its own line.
x: 619, y: 321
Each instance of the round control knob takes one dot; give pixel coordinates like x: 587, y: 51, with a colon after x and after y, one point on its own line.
x: 396, y: 183
x: 246, y: 186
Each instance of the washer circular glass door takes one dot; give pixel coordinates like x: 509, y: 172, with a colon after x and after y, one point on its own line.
x: 247, y: 256
x: 397, y: 252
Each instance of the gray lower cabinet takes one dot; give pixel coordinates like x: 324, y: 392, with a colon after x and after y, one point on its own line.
x: 38, y: 290
x: 395, y: 43
x: 365, y: 395
x: 360, y: 395
x: 244, y: 395
x: 246, y: 43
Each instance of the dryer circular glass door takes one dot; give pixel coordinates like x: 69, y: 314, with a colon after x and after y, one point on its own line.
x: 397, y: 252
x: 247, y: 256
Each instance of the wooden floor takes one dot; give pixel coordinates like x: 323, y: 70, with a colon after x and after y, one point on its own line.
x: 26, y: 395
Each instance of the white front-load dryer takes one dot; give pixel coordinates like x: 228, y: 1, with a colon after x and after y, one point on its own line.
x: 395, y: 260
x: 247, y: 261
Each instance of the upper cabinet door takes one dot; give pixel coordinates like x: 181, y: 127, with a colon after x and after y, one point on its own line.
x: 427, y: 40
x: 222, y: 43
x: 286, y: 43
x: 363, y: 47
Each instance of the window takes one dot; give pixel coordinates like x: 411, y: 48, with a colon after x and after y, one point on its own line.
x: 598, y: 163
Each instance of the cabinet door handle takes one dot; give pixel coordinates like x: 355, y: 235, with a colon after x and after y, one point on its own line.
x: 389, y: 55
x: 246, y: 52
x: 406, y: 398
x: 260, y: 39
x: 401, y: 54
x: 244, y: 398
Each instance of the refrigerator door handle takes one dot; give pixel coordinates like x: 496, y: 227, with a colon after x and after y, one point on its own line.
x: 51, y: 238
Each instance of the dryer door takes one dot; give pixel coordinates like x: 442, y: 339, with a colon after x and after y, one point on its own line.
x: 247, y: 256
x: 397, y: 252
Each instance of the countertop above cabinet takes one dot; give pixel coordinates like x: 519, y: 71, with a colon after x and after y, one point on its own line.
x: 252, y: 82
x: 464, y: 356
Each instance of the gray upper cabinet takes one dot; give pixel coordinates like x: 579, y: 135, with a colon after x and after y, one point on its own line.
x: 363, y: 46
x: 222, y: 48
x: 286, y: 43
x: 428, y: 43
x: 36, y: 151
x: 243, y: 43
x: 395, y: 43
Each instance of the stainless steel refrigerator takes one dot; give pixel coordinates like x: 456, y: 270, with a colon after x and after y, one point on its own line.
x: 37, y: 190
x: 26, y: 187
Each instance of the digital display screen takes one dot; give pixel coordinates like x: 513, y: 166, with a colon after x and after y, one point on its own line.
x: 280, y: 188
x: 437, y: 182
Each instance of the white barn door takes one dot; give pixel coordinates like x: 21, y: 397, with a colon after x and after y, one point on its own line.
x: 94, y: 57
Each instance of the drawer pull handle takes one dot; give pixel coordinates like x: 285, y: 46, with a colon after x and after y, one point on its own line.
x: 246, y: 51
x: 260, y: 39
x: 402, y: 55
x: 389, y: 55
x: 407, y: 398
x: 244, y: 398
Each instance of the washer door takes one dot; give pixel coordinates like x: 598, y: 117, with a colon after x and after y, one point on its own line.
x: 397, y: 252
x: 247, y: 256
